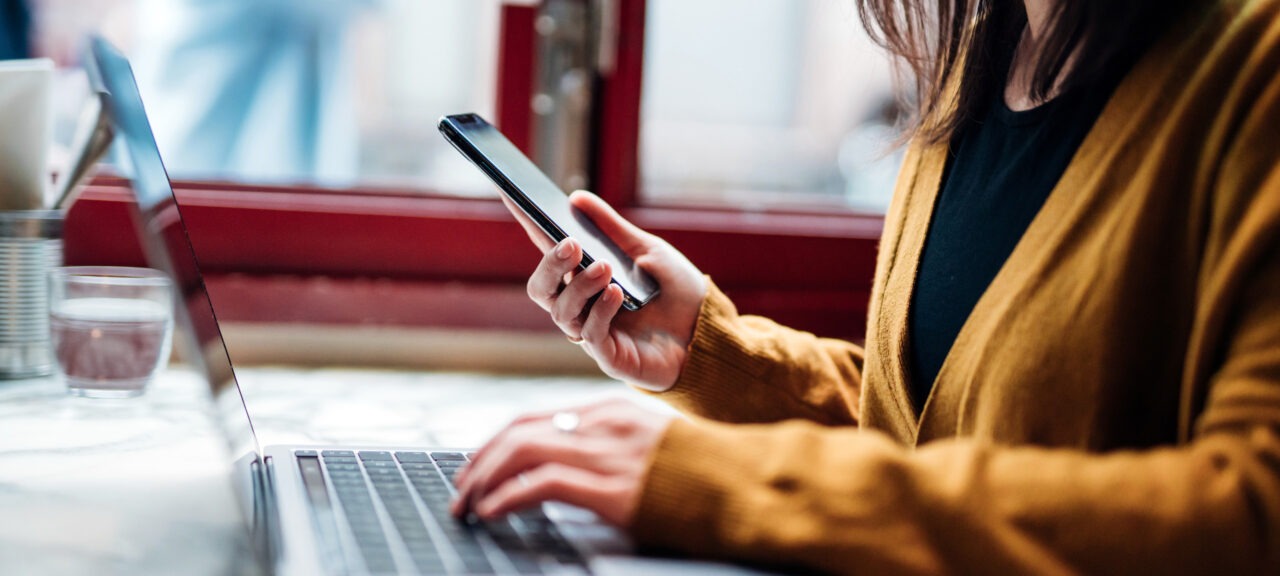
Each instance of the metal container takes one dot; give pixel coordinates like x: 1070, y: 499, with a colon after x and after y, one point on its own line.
x: 30, y: 246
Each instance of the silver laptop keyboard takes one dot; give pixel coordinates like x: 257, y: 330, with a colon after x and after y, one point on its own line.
x: 382, y: 497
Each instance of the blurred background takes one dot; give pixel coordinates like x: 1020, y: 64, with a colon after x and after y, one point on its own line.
x: 334, y: 225
x: 753, y: 103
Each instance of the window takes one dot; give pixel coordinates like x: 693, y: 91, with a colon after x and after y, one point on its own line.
x: 758, y: 103
x: 396, y: 246
x: 337, y: 94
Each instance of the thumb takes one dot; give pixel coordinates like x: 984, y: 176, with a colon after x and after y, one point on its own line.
x: 626, y: 235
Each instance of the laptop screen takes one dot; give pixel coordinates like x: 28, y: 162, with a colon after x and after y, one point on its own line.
x: 167, y: 244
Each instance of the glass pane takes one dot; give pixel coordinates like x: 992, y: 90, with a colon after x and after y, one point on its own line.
x: 326, y: 92
x: 760, y: 103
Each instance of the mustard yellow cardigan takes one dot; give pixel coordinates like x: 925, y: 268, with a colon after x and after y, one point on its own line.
x: 1112, y: 404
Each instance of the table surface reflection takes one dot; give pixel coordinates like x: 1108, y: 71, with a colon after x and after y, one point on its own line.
x: 143, y: 485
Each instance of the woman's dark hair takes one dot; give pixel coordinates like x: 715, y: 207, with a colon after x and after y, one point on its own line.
x: 933, y: 39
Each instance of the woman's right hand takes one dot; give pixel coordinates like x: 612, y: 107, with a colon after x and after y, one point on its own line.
x: 646, y: 347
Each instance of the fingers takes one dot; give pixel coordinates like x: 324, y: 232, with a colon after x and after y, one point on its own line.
x: 545, y: 283
x: 526, y: 440
x: 626, y: 235
x: 558, y: 482
x: 569, y: 307
x: 601, y: 466
x: 541, y: 418
x: 535, y: 233
x: 595, y: 329
x: 519, y: 456
x: 558, y: 288
x: 567, y: 302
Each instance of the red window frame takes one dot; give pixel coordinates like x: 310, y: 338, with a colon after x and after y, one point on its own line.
x: 412, y: 258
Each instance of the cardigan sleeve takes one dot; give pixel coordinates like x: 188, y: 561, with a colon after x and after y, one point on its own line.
x: 844, y: 500
x: 853, y: 501
x: 746, y: 369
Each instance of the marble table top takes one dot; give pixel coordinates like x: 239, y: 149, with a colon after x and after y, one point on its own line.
x: 144, y: 486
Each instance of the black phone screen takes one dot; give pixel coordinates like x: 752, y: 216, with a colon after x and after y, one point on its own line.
x: 544, y: 202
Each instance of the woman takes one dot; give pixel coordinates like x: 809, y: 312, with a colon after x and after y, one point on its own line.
x: 1073, y: 346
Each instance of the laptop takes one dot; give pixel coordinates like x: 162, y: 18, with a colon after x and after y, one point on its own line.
x: 341, y: 509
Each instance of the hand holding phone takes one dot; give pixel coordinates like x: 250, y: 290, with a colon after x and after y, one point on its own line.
x: 545, y: 203
x: 647, y: 347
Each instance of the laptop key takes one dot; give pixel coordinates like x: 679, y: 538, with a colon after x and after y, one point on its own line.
x: 426, y: 481
x: 357, y: 495
x: 521, y: 555
x: 416, y: 532
x: 338, y: 453
x: 376, y: 553
x: 534, y: 524
x: 429, y: 564
x: 433, y: 490
x: 524, y: 562
x: 437, y: 489
x: 380, y: 564
x: 461, y: 538
x: 502, y: 531
x: 379, y: 464
x: 304, y: 453
x: 404, y: 516
x: 405, y: 457
x: 348, y: 473
x: 476, y: 563
x: 364, y: 523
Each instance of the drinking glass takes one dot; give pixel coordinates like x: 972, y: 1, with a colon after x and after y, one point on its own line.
x: 111, y: 327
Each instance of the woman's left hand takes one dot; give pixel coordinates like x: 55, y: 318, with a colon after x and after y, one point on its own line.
x: 595, y: 457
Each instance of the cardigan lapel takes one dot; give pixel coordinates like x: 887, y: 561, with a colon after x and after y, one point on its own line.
x: 953, y: 392
x: 894, y: 305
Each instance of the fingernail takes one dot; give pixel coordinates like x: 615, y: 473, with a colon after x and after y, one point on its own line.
x: 564, y: 249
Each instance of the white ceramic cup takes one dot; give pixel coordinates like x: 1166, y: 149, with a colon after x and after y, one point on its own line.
x: 26, y: 132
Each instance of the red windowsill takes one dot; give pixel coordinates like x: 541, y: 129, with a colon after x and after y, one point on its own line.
x: 292, y: 254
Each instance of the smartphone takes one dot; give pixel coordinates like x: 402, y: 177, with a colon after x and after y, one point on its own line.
x: 544, y: 202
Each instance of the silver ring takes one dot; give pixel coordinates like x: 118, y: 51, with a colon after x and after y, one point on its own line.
x: 577, y: 340
x: 566, y: 422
